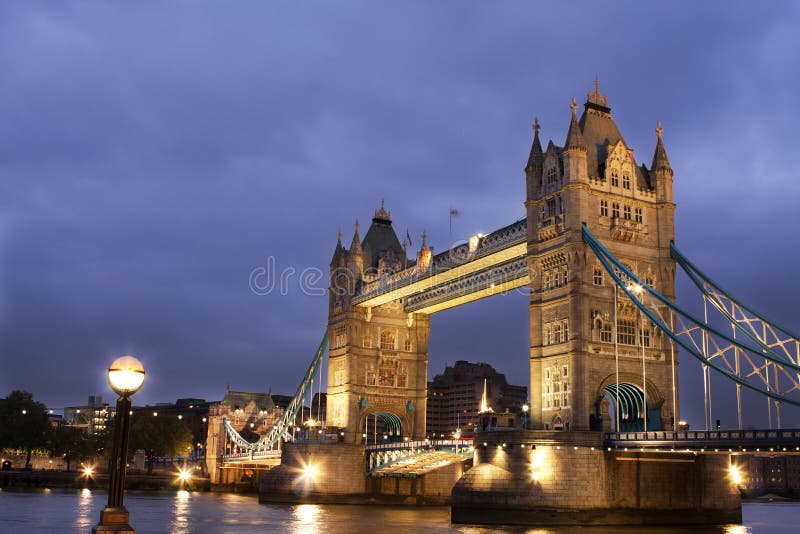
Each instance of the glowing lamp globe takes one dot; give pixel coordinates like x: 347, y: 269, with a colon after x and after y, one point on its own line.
x: 126, y: 375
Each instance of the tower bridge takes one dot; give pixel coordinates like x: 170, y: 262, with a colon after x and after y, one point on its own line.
x: 597, y: 255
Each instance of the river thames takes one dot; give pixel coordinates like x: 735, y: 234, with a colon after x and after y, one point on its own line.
x: 192, y: 512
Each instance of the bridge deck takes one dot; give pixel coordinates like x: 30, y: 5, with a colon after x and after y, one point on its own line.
x: 418, y: 465
x: 496, y: 264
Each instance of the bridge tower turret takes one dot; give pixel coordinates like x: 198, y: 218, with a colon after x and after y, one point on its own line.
x: 594, y: 180
x: 378, y: 356
x: 533, y: 171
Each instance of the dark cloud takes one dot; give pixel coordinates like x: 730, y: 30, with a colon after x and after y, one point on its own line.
x: 151, y: 156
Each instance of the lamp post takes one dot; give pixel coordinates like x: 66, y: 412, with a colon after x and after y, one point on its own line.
x: 525, y: 409
x: 125, y: 375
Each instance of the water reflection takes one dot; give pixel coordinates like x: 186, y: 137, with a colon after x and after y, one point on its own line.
x: 180, y: 513
x: 197, y: 512
x: 306, y: 518
x: 83, y: 517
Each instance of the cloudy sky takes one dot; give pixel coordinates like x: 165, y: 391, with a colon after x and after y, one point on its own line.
x: 152, y: 155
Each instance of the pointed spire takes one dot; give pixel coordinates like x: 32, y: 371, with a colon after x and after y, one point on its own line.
x: 424, y: 255
x: 339, y: 250
x: 536, y: 156
x: 595, y: 96
x: 355, y: 245
x: 574, y: 136
x: 660, y: 160
x: 382, y: 216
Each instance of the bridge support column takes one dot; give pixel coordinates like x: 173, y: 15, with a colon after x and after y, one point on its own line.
x: 552, y: 478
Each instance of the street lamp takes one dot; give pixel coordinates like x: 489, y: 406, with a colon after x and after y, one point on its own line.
x: 125, y: 375
x: 525, y: 409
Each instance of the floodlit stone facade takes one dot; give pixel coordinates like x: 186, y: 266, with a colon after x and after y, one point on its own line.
x: 595, y: 180
x: 378, y: 357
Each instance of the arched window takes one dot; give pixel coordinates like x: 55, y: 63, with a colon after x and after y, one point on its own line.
x: 614, y: 178
x: 388, y: 340
x: 626, y: 181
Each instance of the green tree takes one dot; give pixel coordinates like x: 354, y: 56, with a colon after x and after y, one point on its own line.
x: 159, y: 436
x: 74, y: 444
x: 24, y: 424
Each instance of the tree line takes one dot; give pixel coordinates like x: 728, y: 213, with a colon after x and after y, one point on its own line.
x: 25, y: 426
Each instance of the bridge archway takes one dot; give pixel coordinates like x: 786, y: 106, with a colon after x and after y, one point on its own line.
x: 381, y: 427
x: 631, y: 401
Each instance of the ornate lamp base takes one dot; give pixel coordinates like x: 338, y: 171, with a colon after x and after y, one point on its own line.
x: 114, y: 520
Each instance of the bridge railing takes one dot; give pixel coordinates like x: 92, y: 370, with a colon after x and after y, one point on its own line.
x: 420, y: 444
x: 251, y: 455
x: 702, y: 437
x: 504, y: 237
x: 383, y: 454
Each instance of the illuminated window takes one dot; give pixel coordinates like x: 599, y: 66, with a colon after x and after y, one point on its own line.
x: 626, y: 212
x: 338, y: 377
x: 644, y: 337
x: 604, y: 208
x: 626, y: 181
x: 388, y: 340
x: 367, y: 341
x: 605, y: 333
x: 597, y: 276
x: 339, y: 337
x: 402, y: 376
x: 387, y: 371
x: 626, y: 332
x: 614, y: 210
x: 637, y: 214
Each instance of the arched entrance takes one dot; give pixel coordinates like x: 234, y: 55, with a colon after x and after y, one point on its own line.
x: 630, y: 400
x: 381, y: 427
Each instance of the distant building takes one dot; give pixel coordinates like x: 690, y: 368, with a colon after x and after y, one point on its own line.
x: 249, y: 413
x: 454, y: 399
x: 93, y: 417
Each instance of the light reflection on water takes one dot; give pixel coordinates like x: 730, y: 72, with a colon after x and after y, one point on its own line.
x: 180, y: 523
x: 186, y: 512
x: 305, y: 518
x: 83, y: 517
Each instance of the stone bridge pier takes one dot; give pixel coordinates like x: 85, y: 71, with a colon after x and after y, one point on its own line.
x: 567, y: 478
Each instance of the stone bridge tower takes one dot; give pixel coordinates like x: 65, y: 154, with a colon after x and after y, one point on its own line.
x: 378, y: 363
x: 594, y: 179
